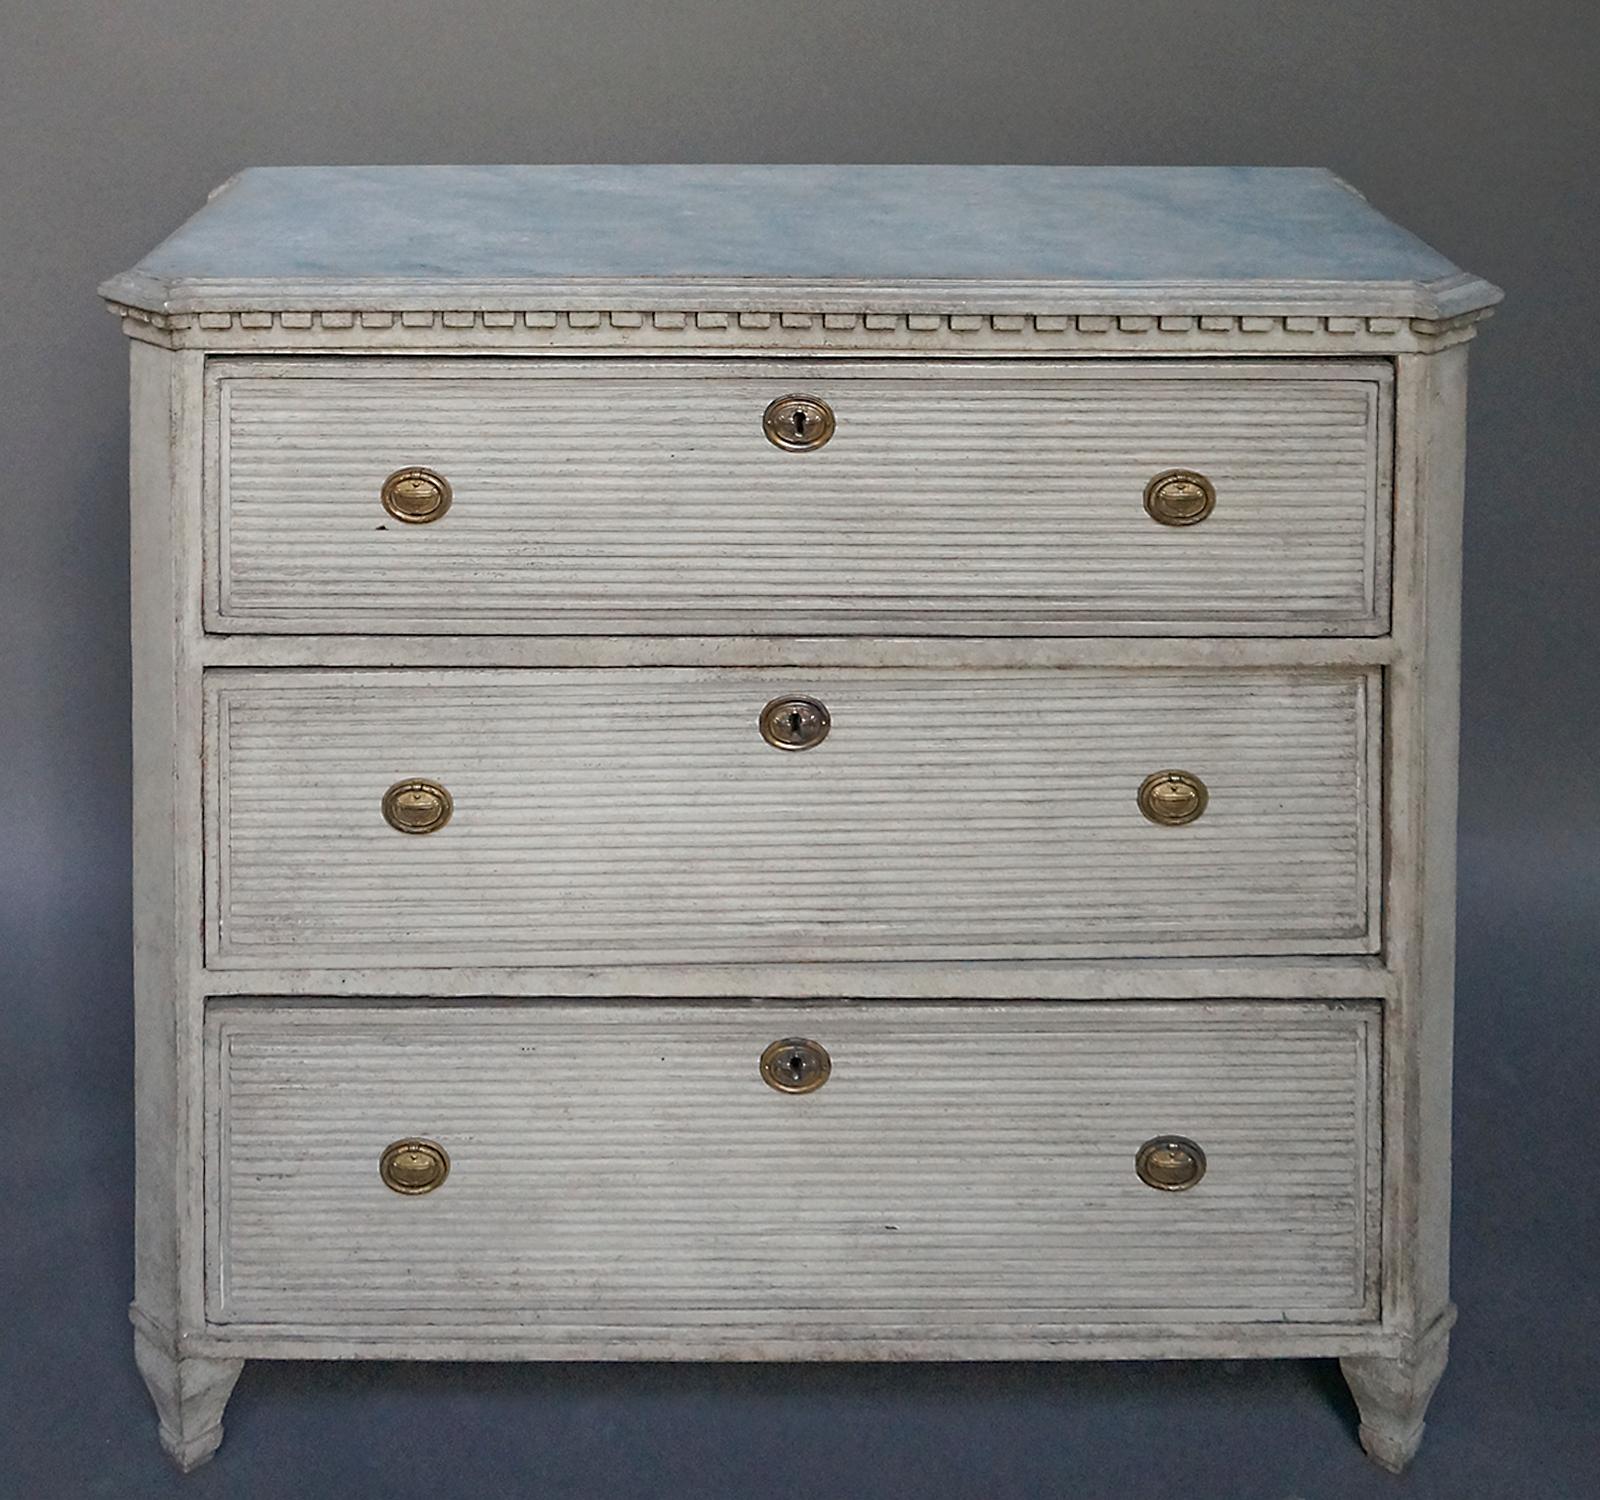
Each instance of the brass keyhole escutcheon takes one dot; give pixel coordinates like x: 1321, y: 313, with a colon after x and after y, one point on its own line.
x: 416, y: 495
x: 1173, y: 798
x: 795, y: 1066
x: 798, y: 423
x: 1180, y: 497
x: 413, y: 1166
x: 1170, y: 1163
x: 795, y: 723
x: 417, y: 806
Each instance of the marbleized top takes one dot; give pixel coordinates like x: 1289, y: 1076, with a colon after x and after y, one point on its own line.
x: 1122, y: 238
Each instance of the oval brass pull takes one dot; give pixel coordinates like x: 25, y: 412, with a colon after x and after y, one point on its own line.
x: 798, y: 423
x: 1172, y: 798
x: 1180, y: 497
x: 417, y: 806
x: 795, y: 723
x: 416, y: 495
x: 413, y: 1166
x: 795, y: 1066
x: 1171, y: 1163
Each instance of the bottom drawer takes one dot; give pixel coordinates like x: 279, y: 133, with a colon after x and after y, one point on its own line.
x: 622, y: 1172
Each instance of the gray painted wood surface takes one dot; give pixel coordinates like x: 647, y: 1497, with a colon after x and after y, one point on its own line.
x: 640, y: 816
x: 463, y: 232
x: 1292, y: 986
x: 595, y: 498
x: 963, y: 1170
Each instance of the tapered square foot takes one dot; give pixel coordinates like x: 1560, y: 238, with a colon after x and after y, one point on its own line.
x: 189, y: 1396
x: 1392, y: 1395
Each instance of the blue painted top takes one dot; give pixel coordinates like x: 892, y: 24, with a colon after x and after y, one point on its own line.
x: 450, y: 233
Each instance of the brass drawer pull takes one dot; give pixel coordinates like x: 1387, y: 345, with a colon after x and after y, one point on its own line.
x: 795, y: 1066
x: 417, y: 806
x: 798, y: 423
x: 413, y: 1167
x: 1180, y: 497
x: 1171, y: 1163
x: 1173, y: 798
x: 416, y: 495
x: 795, y: 723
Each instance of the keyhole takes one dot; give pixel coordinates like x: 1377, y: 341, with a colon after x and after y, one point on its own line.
x: 794, y: 723
x: 799, y: 423
x: 793, y: 1066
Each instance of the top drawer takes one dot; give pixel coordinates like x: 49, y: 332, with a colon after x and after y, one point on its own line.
x: 644, y: 496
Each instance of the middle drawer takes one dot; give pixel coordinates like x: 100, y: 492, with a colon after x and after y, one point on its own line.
x: 656, y: 815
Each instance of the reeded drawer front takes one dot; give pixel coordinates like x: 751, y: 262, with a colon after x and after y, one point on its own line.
x: 433, y: 819
x: 950, y: 497
x: 966, y: 1171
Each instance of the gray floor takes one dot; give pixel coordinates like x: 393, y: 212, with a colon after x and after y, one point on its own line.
x: 1514, y: 1418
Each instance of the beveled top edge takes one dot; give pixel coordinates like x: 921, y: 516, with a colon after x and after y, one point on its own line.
x: 1447, y: 298
x: 1139, y: 240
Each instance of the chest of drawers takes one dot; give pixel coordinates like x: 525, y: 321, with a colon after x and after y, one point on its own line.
x: 794, y: 762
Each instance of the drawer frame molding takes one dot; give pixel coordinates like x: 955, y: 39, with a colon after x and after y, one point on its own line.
x: 528, y: 1089
x: 1205, y: 587
x: 311, y: 716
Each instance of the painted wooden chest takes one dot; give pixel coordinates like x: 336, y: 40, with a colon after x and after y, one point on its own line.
x: 794, y: 762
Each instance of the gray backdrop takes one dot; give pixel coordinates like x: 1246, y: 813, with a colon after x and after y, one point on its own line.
x: 1474, y: 123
